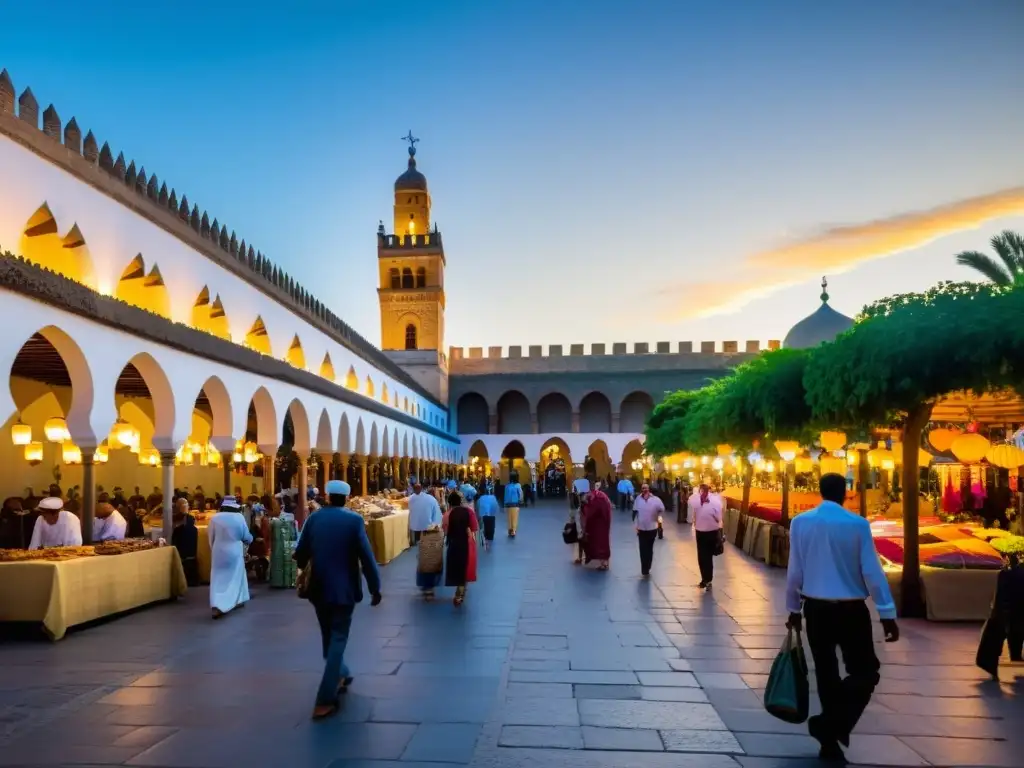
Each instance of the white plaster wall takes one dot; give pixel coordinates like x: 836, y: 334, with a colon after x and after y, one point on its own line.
x: 115, y: 235
x: 95, y: 356
x: 577, y: 442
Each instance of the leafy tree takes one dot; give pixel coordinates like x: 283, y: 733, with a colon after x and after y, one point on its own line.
x: 664, y: 428
x: 903, y: 355
x: 1009, y: 247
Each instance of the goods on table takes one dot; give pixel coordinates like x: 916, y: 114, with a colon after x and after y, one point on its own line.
x: 375, y: 507
x: 124, y: 547
x: 47, y: 553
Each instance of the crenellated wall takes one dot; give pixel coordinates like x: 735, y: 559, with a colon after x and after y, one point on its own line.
x: 118, y: 212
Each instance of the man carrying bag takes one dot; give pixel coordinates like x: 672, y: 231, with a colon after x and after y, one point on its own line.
x: 833, y: 569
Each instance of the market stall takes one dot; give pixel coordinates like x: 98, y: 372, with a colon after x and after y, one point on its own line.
x: 65, y: 587
x: 387, y: 523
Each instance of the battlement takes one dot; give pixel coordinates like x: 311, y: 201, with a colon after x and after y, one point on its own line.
x: 430, y: 240
x: 145, y: 193
x: 663, y: 348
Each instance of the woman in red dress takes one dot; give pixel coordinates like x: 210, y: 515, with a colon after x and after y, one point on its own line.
x: 596, y: 512
x: 460, y: 526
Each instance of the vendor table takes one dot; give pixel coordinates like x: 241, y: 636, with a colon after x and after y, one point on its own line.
x: 389, y: 536
x: 204, y: 555
x: 952, y: 594
x: 66, y: 593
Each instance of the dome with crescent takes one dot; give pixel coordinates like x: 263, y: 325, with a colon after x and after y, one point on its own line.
x: 412, y: 180
x: 822, y: 325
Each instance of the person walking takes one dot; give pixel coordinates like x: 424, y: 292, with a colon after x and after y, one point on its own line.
x: 596, y: 517
x: 424, y: 515
x: 833, y: 569
x: 460, y: 527
x: 706, y: 511
x: 513, y: 501
x: 335, y: 545
x: 647, y: 512
x: 487, y: 510
x: 229, y: 585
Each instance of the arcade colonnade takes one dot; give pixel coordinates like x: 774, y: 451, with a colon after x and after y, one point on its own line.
x: 95, y: 382
x: 613, y: 453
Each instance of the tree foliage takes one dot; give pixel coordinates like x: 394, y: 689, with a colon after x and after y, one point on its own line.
x: 1009, y: 269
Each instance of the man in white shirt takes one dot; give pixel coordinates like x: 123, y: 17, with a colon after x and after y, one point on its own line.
x: 707, y: 525
x: 833, y: 569
x: 109, y: 524
x: 55, y: 526
x: 646, y: 510
x: 424, y: 512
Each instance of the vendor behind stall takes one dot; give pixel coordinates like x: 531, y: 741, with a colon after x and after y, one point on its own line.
x: 109, y: 524
x: 55, y: 527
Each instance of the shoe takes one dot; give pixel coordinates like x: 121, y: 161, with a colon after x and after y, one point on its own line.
x: 645, y: 575
x: 321, y: 711
x: 702, y: 585
x: 830, y: 749
x: 707, y: 587
x: 344, y: 684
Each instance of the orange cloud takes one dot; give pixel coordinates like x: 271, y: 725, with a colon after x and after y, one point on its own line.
x: 841, y: 248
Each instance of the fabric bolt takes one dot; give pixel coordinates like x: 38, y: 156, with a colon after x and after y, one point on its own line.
x: 229, y: 585
x: 832, y: 557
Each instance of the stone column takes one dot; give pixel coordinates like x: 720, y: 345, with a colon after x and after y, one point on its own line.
x: 615, y: 422
x: 396, y: 474
x: 167, y: 474
x: 88, y: 493
x: 575, y: 421
x: 227, y: 474
x: 404, y: 467
x: 343, y: 458
x: 269, y: 481
x: 301, y: 509
x: 363, y: 483
x: 492, y: 423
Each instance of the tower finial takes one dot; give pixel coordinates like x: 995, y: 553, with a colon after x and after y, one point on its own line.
x: 824, y: 290
x: 412, y: 143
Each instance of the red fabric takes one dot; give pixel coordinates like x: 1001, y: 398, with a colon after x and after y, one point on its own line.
x: 597, y: 523
x: 471, y: 559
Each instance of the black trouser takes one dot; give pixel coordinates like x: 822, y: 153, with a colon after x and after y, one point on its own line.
x: 845, y: 625
x: 646, y: 540
x: 1015, y: 638
x: 706, y: 543
x: 489, y: 522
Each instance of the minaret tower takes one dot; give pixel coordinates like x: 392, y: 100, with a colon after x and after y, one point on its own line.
x: 411, y: 286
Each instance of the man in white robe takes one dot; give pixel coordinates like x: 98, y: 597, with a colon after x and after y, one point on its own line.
x: 229, y: 535
x: 55, y: 526
x: 109, y: 524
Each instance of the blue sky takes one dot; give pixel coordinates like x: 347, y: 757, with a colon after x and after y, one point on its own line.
x: 593, y: 164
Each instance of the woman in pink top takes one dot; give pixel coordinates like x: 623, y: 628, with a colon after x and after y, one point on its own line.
x: 706, y: 509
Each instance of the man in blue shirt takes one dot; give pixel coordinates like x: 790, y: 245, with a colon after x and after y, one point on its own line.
x: 513, y: 501
x: 487, y: 509
x: 833, y: 569
x: 335, y: 544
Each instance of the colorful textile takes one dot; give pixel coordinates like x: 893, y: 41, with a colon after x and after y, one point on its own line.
x: 283, y: 535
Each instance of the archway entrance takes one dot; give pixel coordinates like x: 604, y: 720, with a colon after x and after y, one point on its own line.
x: 513, y: 463
x: 478, y: 465
x: 555, y: 473
x: 603, y: 466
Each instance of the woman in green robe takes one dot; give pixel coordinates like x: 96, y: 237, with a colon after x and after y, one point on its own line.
x: 283, y: 535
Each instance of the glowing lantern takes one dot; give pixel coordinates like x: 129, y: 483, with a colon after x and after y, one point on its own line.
x: 1005, y: 456
x: 830, y: 465
x: 769, y: 467
x: 832, y: 441
x: 251, y: 453
x: 717, y: 464
x: 787, y: 449
x: 969, y: 448
x: 123, y: 432
x: 924, y: 458
x: 724, y: 449
x: 236, y: 457
x: 704, y: 460
x: 803, y: 464
x: 942, y: 439
x: 102, y: 455
x: 21, y: 434
x: 71, y: 453
x: 880, y: 456
x: 56, y: 430
x: 195, y: 446
x: 34, y: 452
x: 888, y: 464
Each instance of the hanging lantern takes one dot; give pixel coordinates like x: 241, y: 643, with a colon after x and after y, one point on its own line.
x: 888, y: 464
x: 704, y: 460
x: 56, y: 430
x: 970, y: 447
x: 21, y: 434
x: 196, y: 447
x: 803, y: 464
x: 832, y: 441
x: 250, y: 453
x: 724, y: 449
x: 787, y: 449
x: 769, y: 467
x: 830, y: 465
x: 753, y: 457
x: 942, y: 439
x: 123, y: 432
x: 236, y: 457
x: 760, y: 465
x: 71, y: 453
x: 1005, y: 456
x: 717, y: 464
x: 34, y: 452
x: 878, y: 456
x: 153, y: 459
x: 102, y: 455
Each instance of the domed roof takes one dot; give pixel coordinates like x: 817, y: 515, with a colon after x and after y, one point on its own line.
x: 822, y: 325
x: 411, y: 179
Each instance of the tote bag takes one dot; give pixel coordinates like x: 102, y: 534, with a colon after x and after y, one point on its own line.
x: 430, y: 554
x: 570, y: 534
x: 787, y: 695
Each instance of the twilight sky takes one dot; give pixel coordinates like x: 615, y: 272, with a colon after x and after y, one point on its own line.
x: 602, y: 170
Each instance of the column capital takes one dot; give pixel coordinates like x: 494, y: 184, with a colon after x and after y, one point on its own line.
x: 167, y: 458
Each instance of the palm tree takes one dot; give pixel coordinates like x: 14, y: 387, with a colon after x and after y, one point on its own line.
x: 1009, y: 247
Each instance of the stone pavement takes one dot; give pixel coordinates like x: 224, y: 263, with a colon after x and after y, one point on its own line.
x: 545, y: 665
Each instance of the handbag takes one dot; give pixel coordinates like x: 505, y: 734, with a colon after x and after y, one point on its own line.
x: 570, y: 534
x: 304, y: 581
x: 430, y: 554
x: 787, y: 694
x: 719, y: 544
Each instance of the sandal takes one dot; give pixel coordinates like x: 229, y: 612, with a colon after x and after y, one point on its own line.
x: 344, y: 684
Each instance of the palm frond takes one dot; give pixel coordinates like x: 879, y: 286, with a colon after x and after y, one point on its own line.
x: 1005, y: 245
x: 987, y: 266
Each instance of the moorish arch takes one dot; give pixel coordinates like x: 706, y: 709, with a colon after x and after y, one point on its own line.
x: 296, y: 356
x: 346, y: 440
x: 142, y: 289
x: 296, y: 411
x: 209, y: 315
x: 554, y: 414
x: 262, y: 425
x: 55, y: 362
x: 555, y: 448
x: 633, y: 413
x: 42, y: 244
x: 351, y: 379
x: 369, y: 390
x: 513, y: 450
x: 606, y: 464
x: 143, y: 383
x: 327, y: 367
x: 374, y: 448
x: 472, y: 414
x: 214, y: 399
x: 257, y: 339
x: 360, y: 446
x: 595, y: 413
x: 324, y: 434
x: 634, y: 450
x: 514, y: 414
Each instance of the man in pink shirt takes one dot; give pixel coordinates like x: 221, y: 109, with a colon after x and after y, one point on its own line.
x: 646, y: 510
x: 707, y: 522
